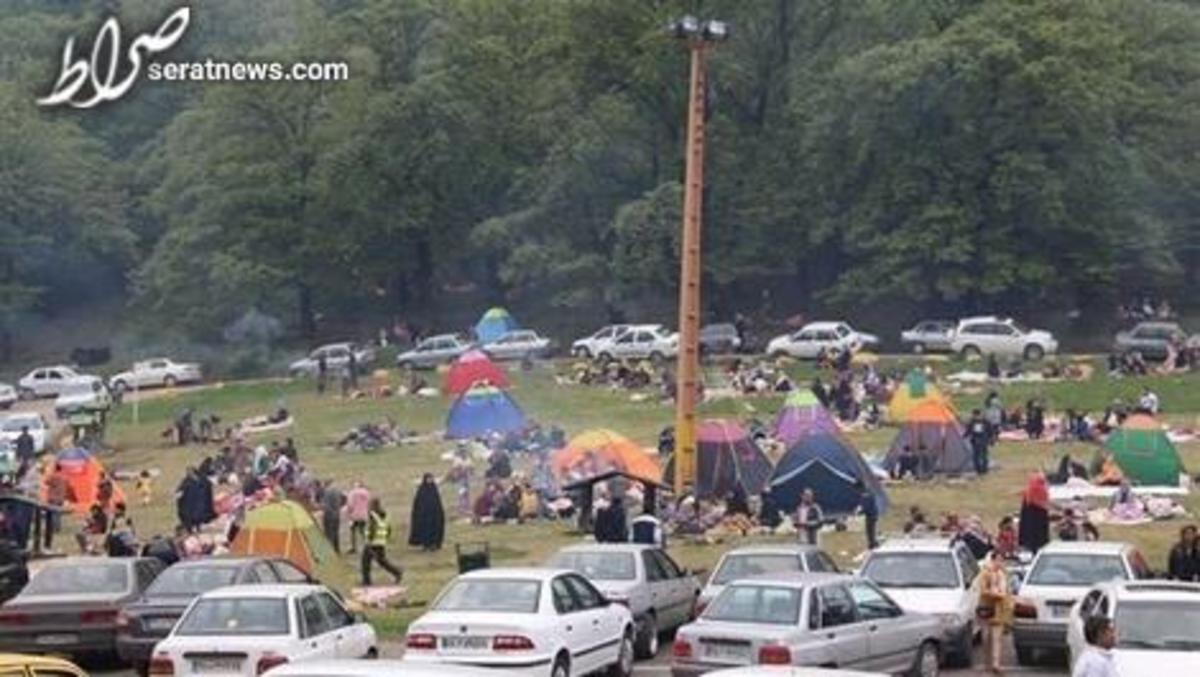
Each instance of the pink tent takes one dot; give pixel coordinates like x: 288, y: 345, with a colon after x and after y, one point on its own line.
x: 803, y: 415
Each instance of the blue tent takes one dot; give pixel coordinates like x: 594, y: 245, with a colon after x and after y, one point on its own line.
x: 481, y: 411
x: 829, y: 466
x: 496, y: 322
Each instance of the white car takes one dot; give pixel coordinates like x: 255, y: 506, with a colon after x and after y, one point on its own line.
x: 543, y: 622
x: 337, y: 357
x: 433, y: 351
x: 249, y: 629
x: 87, y: 394
x: 1001, y: 336
x: 48, y: 382
x: 357, y: 668
x: 1058, y: 577
x: 640, y: 342
x: 518, y: 344
x: 8, y: 396
x: 790, y: 671
x: 935, y: 576
x: 159, y: 371
x: 1158, y: 626
x: 756, y: 560
x: 11, y: 426
x: 929, y: 336
x: 591, y: 346
x: 817, y: 337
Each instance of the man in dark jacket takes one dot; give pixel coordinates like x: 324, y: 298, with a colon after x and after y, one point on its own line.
x: 1183, y: 563
x: 979, y: 433
x: 24, y: 445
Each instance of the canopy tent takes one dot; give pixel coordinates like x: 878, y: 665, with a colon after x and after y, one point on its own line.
x: 496, y: 322
x: 802, y: 415
x: 595, y: 452
x: 912, y: 392
x: 833, y: 469
x: 481, y: 411
x: 726, y: 456
x: 1146, y: 456
x: 473, y: 368
x: 285, y: 529
x: 933, y: 433
x: 82, y: 471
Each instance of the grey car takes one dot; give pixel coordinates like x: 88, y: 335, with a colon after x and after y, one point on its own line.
x: 433, y: 351
x: 929, y: 336
x: 518, y: 345
x: 72, y: 605
x: 337, y: 357
x: 659, y: 593
x: 1150, y: 339
x: 803, y: 619
x: 757, y: 560
x: 719, y: 339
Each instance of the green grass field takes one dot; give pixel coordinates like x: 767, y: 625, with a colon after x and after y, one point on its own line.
x: 392, y: 473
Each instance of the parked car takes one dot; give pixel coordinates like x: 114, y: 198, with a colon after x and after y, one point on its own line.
x: 929, y: 336
x: 71, y: 604
x: 756, y: 560
x: 47, y: 382
x: 816, y: 337
x: 433, y: 351
x: 1158, y: 626
x: 146, y: 621
x: 337, y: 357
x: 1150, y: 339
x: 591, y: 346
x: 86, y: 395
x: 249, y: 629
x: 1003, y: 337
x: 159, y: 371
x: 826, y: 620
x: 518, y: 344
x: 640, y: 342
x: 789, y: 671
x: 935, y: 576
x: 8, y: 396
x: 20, y: 665
x: 719, y: 339
x: 12, y: 425
x: 383, y: 668
x: 1058, y: 577
x: 538, y: 622
x: 659, y: 593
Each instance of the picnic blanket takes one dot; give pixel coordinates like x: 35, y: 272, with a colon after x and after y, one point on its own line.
x: 379, y: 596
x: 259, y: 424
x: 1067, y: 492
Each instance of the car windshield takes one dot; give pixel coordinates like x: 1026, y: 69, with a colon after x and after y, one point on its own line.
x: 756, y: 604
x: 100, y: 578
x: 598, y: 566
x: 79, y: 388
x: 734, y: 567
x: 191, y: 580
x: 248, y: 616
x: 1075, y: 570
x: 1019, y: 327
x: 14, y: 425
x: 506, y: 596
x: 912, y: 570
x: 1168, y: 625
x: 842, y: 330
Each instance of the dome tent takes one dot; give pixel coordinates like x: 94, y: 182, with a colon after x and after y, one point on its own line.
x: 473, y: 368
x: 726, y: 456
x: 481, y: 411
x: 933, y: 432
x: 832, y: 469
x: 802, y: 415
x: 912, y: 392
x: 493, y: 324
x: 1146, y: 456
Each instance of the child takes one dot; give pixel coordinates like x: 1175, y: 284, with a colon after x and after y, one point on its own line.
x: 144, y: 486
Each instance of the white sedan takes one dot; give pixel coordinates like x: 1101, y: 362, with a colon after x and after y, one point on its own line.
x: 518, y: 344
x: 249, y: 629
x: 357, y: 668
x: 13, y: 424
x: 538, y: 622
x: 48, y: 382
x: 159, y: 371
x: 1158, y: 626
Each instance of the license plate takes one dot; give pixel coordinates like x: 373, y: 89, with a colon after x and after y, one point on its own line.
x: 739, y: 653
x: 1059, y: 611
x: 164, y: 624
x: 57, y: 640
x: 209, y: 665
x: 459, y: 643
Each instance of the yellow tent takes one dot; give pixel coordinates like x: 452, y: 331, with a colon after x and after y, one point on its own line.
x: 912, y: 392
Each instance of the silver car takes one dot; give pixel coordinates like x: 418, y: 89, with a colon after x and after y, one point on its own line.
x: 803, y: 619
x: 518, y: 345
x: 929, y: 336
x: 1150, y: 339
x: 337, y: 357
x: 659, y: 593
x: 433, y: 351
x: 758, y: 560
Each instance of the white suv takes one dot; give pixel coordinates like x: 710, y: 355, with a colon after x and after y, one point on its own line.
x: 1003, y: 336
x: 591, y: 346
x: 1156, y: 624
x: 936, y: 576
x: 815, y: 337
x: 642, y: 341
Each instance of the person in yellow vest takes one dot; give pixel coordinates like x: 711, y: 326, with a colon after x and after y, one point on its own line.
x: 379, y: 532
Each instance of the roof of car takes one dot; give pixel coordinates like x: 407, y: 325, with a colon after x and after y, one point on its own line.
x: 644, y: 326
x: 1165, y: 325
x: 274, y: 590
x: 11, y: 661
x: 440, y: 336
x: 509, y: 573
x: 609, y: 547
x: 359, y: 668
x: 1086, y: 547
x: 80, y: 560
x: 1155, y: 590
x: 823, y: 324
x: 794, y: 578
x: 773, y: 549
x: 922, y: 544
x: 222, y: 561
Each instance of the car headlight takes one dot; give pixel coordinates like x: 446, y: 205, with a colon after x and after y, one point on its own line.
x: 948, y: 620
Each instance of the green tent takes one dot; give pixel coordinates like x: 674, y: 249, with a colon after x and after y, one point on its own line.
x: 1144, y: 453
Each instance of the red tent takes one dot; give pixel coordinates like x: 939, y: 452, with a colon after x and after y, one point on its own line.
x: 472, y: 368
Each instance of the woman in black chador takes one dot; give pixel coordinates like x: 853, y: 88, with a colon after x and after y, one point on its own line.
x: 428, y: 522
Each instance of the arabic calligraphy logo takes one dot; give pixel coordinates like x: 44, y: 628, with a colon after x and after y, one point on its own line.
x: 101, y: 73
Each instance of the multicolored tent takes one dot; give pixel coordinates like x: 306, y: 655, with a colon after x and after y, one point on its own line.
x: 1144, y: 453
x: 832, y: 469
x: 726, y: 456
x: 596, y: 452
x: 285, y: 529
x: 481, y: 411
x: 83, y: 471
x: 802, y: 415
x: 473, y: 368
x: 932, y: 431
x: 496, y: 322
x: 913, y: 391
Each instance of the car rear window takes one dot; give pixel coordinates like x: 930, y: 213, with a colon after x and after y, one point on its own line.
x: 912, y: 570
x: 734, y: 567
x: 98, y: 578
x: 1076, y: 569
x: 598, y: 566
x: 192, y: 580
x: 229, y: 616
x: 503, y: 595
x: 756, y: 604
x: 1161, y: 625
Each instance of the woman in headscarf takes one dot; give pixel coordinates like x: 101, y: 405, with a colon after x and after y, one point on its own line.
x: 428, y: 522
x: 1033, y: 527
x: 736, y: 502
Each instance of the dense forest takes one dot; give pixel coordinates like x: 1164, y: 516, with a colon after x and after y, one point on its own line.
x: 865, y: 156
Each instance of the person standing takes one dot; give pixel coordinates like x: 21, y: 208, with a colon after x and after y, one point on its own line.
x: 1033, y: 525
x: 809, y: 517
x: 869, y: 508
x: 57, y: 494
x: 1183, y: 563
x: 332, y: 501
x: 358, y: 510
x: 352, y: 370
x: 379, y: 533
x: 322, y: 373
x: 995, y: 609
x: 427, y: 525
x: 24, y: 446
x: 647, y: 529
x: 1097, y: 659
x: 980, y: 436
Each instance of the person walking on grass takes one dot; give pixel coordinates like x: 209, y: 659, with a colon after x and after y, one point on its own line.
x: 379, y: 533
x: 1097, y: 659
x: 332, y: 501
x: 358, y: 511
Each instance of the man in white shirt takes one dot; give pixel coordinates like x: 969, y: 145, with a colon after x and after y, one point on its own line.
x: 1148, y: 402
x: 1097, y: 659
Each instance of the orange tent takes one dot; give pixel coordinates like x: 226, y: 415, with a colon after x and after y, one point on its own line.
x: 82, y: 471
x: 597, y: 451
